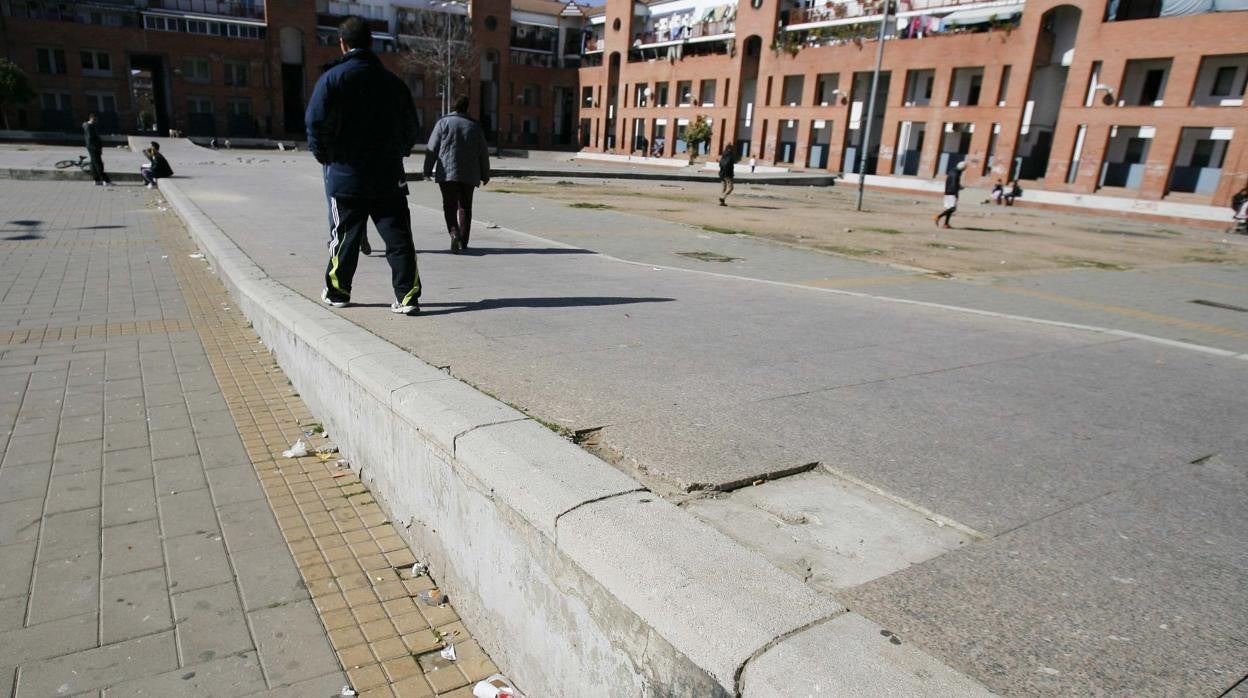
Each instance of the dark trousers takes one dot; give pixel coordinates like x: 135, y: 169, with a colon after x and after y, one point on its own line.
x: 97, y: 167
x: 457, y: 209
x: 148, y: 177
x: 348, y: 222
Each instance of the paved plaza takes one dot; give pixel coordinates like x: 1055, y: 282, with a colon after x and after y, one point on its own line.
x: 1037, y: 482
x: 153, y: 540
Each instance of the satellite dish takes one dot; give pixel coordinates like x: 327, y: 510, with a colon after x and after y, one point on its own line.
x: 646, y: 92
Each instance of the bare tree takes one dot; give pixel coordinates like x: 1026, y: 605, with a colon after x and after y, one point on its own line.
x: 438, y: 45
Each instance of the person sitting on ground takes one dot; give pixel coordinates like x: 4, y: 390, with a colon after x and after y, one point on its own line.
x: 1012, y: 191
x: 157, y: 167
x: 998, y: 193
x: 1239, y: 204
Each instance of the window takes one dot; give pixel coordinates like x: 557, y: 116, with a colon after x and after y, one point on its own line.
x: 826, y: 89
x: 661, y: 90
x: 101, y: 103
x: 966, y: 86
x: 51, y: 61
x: 54, y: 101
x: 1004, y: 87
x: 1223, y: 81
x: 684, y: 92
x: 198, y: 105
x: 793, y: 85
x: 96, y: 63
x: 417, y: 87
x: 706, y: 93
x: 919, y: 87
x: 198, y: 26
x: 1144, y: 82
x: 531, y: 96
x: 1120, y: 10
x: 236, y: 73
x: 1094, y: 79
x: 641, y: 94
x: 238, y: 107
x: 1220, y: 82
x: 195, y: 69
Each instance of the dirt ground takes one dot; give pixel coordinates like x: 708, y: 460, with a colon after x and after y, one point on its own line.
x: 897, y: 228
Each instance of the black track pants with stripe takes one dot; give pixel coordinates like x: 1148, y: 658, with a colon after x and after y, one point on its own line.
x: 348, y: 218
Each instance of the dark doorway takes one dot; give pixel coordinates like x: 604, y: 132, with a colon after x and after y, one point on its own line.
x: 149, y: 93
x: 292, y: 97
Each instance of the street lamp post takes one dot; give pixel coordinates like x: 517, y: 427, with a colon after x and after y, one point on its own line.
x: 875, y: 82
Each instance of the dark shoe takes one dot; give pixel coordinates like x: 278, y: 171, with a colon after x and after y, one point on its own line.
x: 365, y: 248
x: 456, y: 245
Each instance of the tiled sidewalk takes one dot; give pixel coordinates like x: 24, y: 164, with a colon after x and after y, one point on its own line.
x: 139, y: 549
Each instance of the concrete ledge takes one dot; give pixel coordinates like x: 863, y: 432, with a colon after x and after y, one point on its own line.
x: 576, y: 580
x: 69, y: 174
x: 849, y: 650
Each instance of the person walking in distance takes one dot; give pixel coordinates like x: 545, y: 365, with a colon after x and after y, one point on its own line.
x: 727, y: 166
x: 953, y: 185
x: 95, y: 148
x: 457, y: 147
x: 361, y: 124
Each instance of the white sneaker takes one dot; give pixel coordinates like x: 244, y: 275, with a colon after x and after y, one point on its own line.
x: 398, y: 309
x: 325, y: 299
x: 151, y: 186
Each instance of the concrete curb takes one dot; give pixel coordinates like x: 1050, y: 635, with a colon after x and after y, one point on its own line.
x: 574, y: 578
x: 70, y: 174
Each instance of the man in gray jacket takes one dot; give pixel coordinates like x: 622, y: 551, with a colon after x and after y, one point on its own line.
x: 457, y: 146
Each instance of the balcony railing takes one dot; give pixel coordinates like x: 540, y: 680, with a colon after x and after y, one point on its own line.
x: 244, y: 9
x: 685, y: 33
x: 852, y: 9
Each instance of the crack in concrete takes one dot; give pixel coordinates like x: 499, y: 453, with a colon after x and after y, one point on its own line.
x: 738, y: 678
x: 455, y: 439
x: 756, y: 479
x: 592, y: 501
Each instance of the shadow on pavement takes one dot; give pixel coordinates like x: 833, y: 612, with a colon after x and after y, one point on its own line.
x: 494, y: 303
x: 483, y: 251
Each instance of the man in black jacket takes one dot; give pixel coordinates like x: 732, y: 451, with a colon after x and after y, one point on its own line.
x: 95, y: 148
x: 727, y: 167
x: 157, y: 166
x: 361, y: 124
x: 953, y: 185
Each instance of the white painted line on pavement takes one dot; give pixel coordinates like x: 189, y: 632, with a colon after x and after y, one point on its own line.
x: 1174, y: 343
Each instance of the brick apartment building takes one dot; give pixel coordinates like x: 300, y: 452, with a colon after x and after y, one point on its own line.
x: 244, y: 68
x: 1135, y: 98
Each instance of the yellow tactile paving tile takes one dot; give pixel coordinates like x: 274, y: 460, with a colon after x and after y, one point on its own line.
x: 355, y: 565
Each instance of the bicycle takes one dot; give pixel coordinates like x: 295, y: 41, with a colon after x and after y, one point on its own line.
x: 82, y: 163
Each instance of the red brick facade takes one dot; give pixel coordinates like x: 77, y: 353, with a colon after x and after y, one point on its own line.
x: 1053, y: 93
x: 1175, y: 157
x: 250, y: 82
